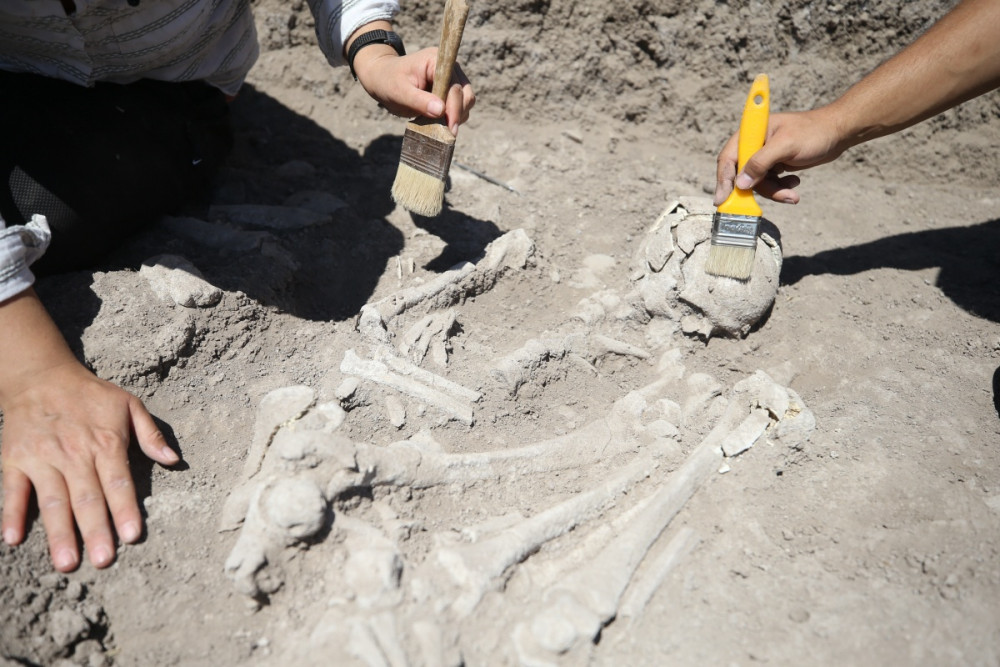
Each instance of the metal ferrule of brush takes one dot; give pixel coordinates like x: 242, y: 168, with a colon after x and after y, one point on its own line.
x: 426, y: 154
x: 737, y: 231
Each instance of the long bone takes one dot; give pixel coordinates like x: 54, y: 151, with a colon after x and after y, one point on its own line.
x: 577, y: 607
x: 476, y: 568
x: 378, y: 372
x: 418, y: 464
x: 587, y: 598
x: 510, y: 251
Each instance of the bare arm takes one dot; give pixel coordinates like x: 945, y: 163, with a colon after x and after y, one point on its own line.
x: 402, y: 84
x: 66, y: 433
x: 954, y: 61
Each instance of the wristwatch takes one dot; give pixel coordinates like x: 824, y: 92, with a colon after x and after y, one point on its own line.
x: 373, y: 37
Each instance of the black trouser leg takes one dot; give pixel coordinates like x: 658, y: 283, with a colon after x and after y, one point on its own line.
x: 100, y: 163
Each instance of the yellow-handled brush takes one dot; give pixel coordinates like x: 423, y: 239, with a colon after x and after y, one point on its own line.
x: 736, y: 221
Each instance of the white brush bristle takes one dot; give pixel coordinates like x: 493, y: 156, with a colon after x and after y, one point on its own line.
x: 418, y: 192
x: 730, y: 261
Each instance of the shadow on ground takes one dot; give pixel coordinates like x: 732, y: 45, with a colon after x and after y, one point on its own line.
x: 996, y: 391
x: 967, y: 256
x: 324, y: 272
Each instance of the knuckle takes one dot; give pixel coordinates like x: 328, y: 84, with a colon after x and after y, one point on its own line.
x: 88, y: 498
x: 51, y: 501
x: 109, y: 440
x: 119, y: 483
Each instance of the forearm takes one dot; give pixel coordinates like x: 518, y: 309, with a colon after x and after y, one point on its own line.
x: 954, y: 61
x: 371, y: 52
x: 31, y: 343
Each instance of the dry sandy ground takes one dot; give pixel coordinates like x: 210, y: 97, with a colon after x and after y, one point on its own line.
x: 875, y: 542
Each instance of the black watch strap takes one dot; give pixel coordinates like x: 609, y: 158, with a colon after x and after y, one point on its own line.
x: 373, y: 37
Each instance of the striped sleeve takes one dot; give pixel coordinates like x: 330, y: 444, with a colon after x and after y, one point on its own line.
x: 19, y: 247
x: 336, y: 21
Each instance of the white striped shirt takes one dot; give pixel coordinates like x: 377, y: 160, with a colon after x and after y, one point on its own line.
x: 168, y: 40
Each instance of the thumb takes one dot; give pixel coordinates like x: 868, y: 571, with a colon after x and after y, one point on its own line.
x: 756, y: 168
x: 151, y: 440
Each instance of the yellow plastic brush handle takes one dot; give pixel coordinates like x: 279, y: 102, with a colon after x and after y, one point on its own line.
x: 753, y: 130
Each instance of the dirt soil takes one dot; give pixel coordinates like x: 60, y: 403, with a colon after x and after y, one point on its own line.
x: 877, y: 541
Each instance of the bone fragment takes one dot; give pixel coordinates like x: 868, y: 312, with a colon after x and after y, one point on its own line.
x: 747, y: 433
x: 475, y: 567
x: 420, y: 337
x: 363, y: 644
x: 510, y: 251
x: 379, y: 373
x: 282, y: 512
x: 797, y: 425
x: 518, y: 367
x: 601, y: 583
x: 588, y: 598
x: 174, y: 279
x: 434, y: 650
x: 414, y: 463
x: 404, y: 367
x: 395, y: 410
x: 276, y: 408
x: 214, y: 235
x: 603, y: 345
x: 651, y: 577
x: 384, y: 628
x: 374, y: 564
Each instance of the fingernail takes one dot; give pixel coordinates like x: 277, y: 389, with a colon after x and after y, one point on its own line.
x: 169, y: 455
x: 454, y: 129
x: 101, y: 556
x: 10, y: 536
x: 435, y: 107
x: 130, y: 531
x: 65, y: 559
x: 788, y: 200
x: 743, y: 182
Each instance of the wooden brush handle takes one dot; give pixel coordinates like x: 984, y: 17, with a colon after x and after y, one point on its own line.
x: 455, y: 13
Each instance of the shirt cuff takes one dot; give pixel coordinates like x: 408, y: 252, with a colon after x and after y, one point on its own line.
x: 337, y: 20
x: 20, y: 246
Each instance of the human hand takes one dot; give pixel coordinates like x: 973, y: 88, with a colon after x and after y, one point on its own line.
x: 401, y: 84
x: 794, y: 141
x: 67, y: 434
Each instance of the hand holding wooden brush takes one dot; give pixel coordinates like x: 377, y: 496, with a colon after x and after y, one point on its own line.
x: 428, y: 144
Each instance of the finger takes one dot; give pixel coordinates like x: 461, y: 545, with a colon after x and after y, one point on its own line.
x: 761, y: 163
x: 468, y: 95
x: 725, y: 170
x: 454, y: 111
x: 411, y: 99
x: 119, y: 491
x: 57, y: 516
x: 151, y: 440
x: 779, y: 189
x: 458, y: 75
x: 16, y: 494
x: 91, y: 512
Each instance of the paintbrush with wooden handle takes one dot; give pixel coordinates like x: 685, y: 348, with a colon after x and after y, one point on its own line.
x: 428, y: 144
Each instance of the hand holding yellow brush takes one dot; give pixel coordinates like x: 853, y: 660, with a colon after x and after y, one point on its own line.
x: 428, y: 144
x: 736, y: 221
